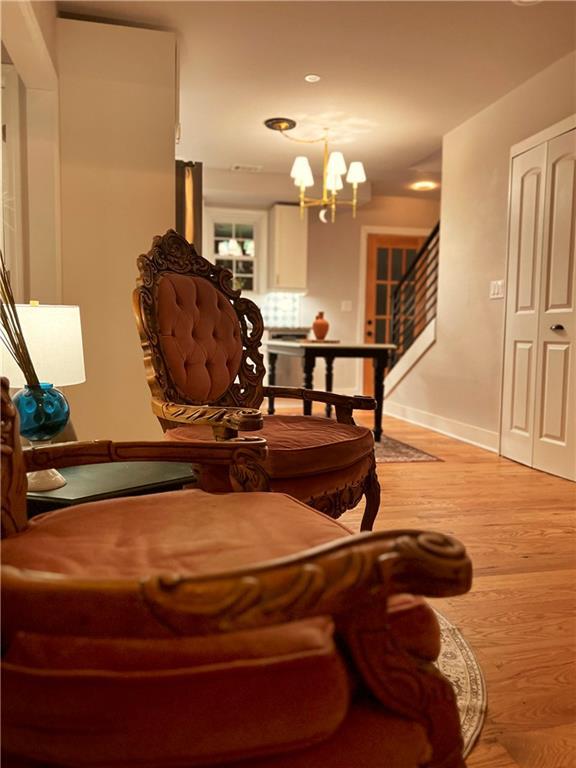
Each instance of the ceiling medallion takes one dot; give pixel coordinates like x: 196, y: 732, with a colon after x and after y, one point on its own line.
x: 334, y: 168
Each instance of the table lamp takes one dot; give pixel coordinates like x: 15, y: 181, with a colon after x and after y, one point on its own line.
x: 53, y: 338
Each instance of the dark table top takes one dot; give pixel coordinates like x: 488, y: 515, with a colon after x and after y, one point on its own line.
x: 91, y: 482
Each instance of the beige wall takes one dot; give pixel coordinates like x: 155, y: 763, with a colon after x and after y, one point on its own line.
x: 456, y: 386
x: 29, y: 33
x: 335, y: 270
x: 117, y: 117
x: 45, y: 12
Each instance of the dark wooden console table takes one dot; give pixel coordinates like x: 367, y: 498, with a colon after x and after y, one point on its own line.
x: 93, y: 482
x: 310, y: 350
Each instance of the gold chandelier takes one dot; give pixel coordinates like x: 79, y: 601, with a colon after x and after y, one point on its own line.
x: 334, y: 168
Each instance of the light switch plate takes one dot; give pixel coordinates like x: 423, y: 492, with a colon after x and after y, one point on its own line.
x: 346, y: 306
x: 496, y: 289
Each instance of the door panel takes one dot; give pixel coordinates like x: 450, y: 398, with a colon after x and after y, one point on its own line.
x: 525, y: 256
x: 555, y: 441
x: 560, y: 264
x: 554, y: 401
x: 528, y: 240
x: 522, y: 376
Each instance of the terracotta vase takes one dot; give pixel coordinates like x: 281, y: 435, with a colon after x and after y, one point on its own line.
x: 320, y: 326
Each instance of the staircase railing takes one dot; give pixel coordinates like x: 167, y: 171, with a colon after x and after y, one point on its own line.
x: 414, y: 298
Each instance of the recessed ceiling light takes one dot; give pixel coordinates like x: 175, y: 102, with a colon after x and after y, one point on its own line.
x: 312, y: 78
x: 423, y: 186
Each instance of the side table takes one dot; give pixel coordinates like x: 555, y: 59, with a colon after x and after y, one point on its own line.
x: 93, y: 482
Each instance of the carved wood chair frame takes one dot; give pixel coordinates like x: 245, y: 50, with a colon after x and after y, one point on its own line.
x: 237, y: 408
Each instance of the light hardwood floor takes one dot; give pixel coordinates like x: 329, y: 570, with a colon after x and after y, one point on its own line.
x: 520, y: 619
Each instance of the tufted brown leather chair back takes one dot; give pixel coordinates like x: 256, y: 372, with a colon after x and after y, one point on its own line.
x: 200, y: 338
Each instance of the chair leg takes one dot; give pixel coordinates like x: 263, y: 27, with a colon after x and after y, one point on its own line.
x: 372, y: 493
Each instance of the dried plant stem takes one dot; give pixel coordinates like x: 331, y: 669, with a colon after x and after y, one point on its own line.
x: 10, y: 329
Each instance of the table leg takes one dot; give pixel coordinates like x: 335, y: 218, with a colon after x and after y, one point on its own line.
x: 329, y: 380
x: 272, y: 358
x: 308, y: 363
x: 379, y: 368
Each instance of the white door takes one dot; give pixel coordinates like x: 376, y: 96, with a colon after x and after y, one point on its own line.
x: 539, y: 385
x: 555, y: 412
x: 524, y: 266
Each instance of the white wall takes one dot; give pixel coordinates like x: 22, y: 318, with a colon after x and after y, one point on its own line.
x: 456, y: 386
x: 335, y: 268
x: 117, y: 120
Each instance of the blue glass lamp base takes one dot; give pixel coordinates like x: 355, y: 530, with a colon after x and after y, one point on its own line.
x: 44, y: 412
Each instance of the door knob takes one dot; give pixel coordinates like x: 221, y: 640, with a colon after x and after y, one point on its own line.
x: 369, y: 333
x: 557, y: 327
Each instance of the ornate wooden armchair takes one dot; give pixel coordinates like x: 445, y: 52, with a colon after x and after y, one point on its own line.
x: 192, y: 629
x: 201, y: 344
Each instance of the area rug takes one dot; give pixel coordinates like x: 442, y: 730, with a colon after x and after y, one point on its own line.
x: 458, y: 663
x: 389, y: 450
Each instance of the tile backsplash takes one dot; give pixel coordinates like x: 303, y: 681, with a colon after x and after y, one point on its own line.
x: 281, y: 310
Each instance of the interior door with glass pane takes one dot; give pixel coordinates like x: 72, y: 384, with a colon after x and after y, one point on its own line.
x: 388, y: 259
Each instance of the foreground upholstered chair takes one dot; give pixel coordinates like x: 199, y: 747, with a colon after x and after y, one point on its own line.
x: 243, y: 630
x: 201, y: 344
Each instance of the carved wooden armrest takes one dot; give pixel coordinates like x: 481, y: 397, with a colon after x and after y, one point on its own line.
x: 225, y: 422
x: 344, y: 404
x: 241, y: 456
x: 340, y: 578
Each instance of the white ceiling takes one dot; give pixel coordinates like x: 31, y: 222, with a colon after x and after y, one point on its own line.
x: 396, y: 76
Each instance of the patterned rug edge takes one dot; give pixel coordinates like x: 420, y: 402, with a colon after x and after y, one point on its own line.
x: 458, y: 663
x: 389, y: 451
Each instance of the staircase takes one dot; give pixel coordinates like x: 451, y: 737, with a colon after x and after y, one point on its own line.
x: 414, y: 298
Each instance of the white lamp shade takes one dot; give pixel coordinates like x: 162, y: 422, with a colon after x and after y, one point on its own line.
x: 306, y: 180
x: 356, y: 173
x: 302, y: 172
x: 336, y: 164
x: 334, y: 182
x: 54, y: 339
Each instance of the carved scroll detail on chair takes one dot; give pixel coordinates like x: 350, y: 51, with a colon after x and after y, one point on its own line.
x: 247, y: 473
x: 331, y: 579
x: 13, y: 475
x: 407, y: 685
x: 336, y: 503
x: 402, y: 682
x: 225, y: 422
x: 171, y: 253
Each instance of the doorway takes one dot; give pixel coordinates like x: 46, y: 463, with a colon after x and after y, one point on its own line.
x: 388, y: 257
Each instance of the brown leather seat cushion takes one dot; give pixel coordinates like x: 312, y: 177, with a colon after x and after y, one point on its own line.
x: 106, y: 700
x: 185, y: 532
x: 300, y: 445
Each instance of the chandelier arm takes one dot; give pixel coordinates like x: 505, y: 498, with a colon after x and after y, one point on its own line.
x: 303, y: 141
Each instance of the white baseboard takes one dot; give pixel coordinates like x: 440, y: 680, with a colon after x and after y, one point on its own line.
x: 482, y: 438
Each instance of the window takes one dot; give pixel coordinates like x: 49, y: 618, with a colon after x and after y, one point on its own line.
x: 234, y: 249
x: 236, y: 240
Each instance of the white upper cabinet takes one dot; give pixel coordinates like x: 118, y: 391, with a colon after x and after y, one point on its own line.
x: 288, y: 249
